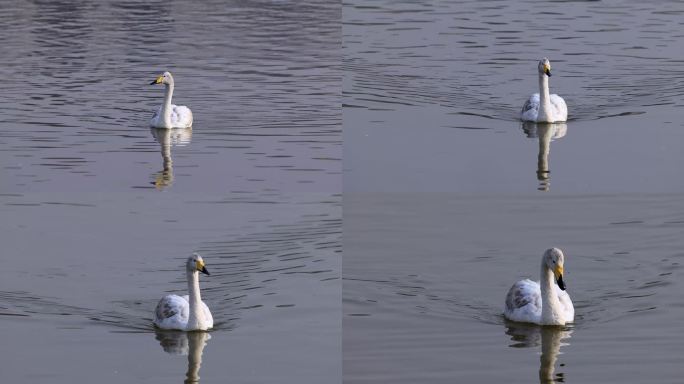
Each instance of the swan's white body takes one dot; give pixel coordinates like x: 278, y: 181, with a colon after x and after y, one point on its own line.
x: 169, y: 115
x: 189, y: 312
x: 543, y: 303
x: 543, y: 107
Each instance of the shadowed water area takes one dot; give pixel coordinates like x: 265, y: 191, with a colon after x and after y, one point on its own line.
x: 450, y: 199
x: 100, y: 211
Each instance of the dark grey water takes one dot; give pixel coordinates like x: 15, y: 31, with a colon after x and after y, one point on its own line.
x: 99, y: 211
x: 449, y: 199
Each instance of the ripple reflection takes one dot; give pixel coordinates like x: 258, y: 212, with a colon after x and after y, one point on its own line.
x: 550, y: 338
x: 545, y: 133
x: 168, y: 138
x: 189, y: 344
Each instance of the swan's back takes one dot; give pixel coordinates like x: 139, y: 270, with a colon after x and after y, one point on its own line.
x: 172, y: 312
x: 566, y: 303
x: 559, y: 108
x: 207, y: 315
x: 181, y: 117
x: 530, y: 110
x: 523, y: 302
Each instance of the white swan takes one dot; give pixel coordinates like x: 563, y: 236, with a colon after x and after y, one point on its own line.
x: 182, y: 312
x: 546, y: 304
x: 169, y: 115
x: 542, y: 107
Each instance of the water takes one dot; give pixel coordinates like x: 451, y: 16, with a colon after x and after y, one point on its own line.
x: 449, y: 199
x: 433, y: 91
x: 100, y: 211
x: 424, y: 292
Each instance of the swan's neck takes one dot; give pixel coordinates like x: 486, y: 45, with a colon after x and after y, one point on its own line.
x: 544, y: 99
x: 551, y: 311
x: 196, y: 316
x: 166, y: 107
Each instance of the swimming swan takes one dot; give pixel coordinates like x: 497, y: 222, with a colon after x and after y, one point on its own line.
x: 545, y: 108
x: 169, y: 115
x: 548, y: 304
x: 182, y: 312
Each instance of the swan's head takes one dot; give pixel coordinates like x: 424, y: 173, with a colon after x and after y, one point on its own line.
x: 196, y: 263
x: 545, y: 67
x: 164, y: 78
x: 554, y: 260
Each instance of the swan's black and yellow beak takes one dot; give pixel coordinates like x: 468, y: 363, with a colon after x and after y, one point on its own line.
x: 547, y: 70
x: 200, y: 267
x: 558, y: 273
x: 158, y: 80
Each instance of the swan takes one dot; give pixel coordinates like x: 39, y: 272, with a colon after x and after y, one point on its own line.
x: 547, y: 304
x: 182, y: 312
x: 169, y: 115
x: 542, y: 107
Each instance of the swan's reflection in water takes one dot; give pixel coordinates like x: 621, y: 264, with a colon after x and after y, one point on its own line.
x: 551, y: 338
x: 185, y: 343
x: 167, y: 138
x: 545, y: 132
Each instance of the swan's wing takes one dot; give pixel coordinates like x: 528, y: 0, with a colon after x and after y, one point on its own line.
x: 181, y: 116
x: 523, y: 302
x: 530, y: 109
x: 154, y: 121
x: 566, y: 304
x: 207, y: 315
x: 559, y: 107
x: 523, y: 293
x: 171, y: 312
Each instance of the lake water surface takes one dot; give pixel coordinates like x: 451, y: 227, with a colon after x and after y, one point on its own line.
x: 426, y: 276
x: 449, y: 199
x: 100, y: 211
